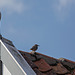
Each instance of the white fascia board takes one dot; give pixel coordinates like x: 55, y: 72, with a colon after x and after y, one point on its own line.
x: 14, y: 61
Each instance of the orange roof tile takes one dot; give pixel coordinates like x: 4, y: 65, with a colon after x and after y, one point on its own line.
x: 42, y: 65
x: 60, y: 69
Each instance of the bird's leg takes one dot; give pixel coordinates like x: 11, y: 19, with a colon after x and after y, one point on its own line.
x: 32, y: 52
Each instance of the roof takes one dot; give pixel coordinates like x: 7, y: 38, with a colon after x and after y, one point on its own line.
x: 46, y: 65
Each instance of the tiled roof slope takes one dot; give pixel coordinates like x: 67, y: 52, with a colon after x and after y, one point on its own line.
x: 45, y: 65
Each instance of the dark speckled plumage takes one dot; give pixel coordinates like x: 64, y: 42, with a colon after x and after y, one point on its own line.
x: 34, y: 48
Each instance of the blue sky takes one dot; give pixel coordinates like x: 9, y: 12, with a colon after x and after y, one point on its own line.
x: 49, y: 23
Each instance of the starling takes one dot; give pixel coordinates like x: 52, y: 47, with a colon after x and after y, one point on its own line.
x: 34, y: 48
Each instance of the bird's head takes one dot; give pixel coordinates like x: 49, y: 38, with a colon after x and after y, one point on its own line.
x: 36, y: 45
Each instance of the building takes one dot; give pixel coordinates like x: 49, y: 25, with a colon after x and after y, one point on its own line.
x: 16, y: 62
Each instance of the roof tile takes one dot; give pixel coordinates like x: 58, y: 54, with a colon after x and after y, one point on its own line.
x: 60, y: 69
x: 49, y: 60
x: 70, y: 61
x: 42, y: 65
x: 74, y: 72
x: 50, y: 73
x: 38, y: 72
x: 30, y: 56
x: 68, y: 64
x: 28, y: 60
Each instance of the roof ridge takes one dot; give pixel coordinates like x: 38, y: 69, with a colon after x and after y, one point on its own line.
x: 39, y: 54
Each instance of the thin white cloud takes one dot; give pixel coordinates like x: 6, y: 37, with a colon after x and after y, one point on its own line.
x: 64, y: 4
x: 12, y: 5
x: 62, y: 7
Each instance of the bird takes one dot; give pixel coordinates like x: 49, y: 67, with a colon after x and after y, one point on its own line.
x: 34, y: 48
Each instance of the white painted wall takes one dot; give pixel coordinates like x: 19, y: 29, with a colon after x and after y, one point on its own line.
x: 5, y: 70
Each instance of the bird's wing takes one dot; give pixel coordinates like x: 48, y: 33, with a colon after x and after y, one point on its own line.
x: 33, y: 48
